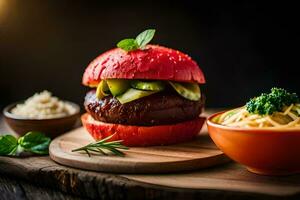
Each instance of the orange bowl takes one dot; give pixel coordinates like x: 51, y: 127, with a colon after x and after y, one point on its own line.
x: 262, y: 151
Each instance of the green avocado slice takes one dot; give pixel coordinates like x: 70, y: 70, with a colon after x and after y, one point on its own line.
x: 118, y: 86
x: 102, y: 90
x: 189, y: 91
x: 133, y: 94
x: 148, y: 85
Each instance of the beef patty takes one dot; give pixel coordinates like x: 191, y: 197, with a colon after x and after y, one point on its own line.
x: 157, y: 109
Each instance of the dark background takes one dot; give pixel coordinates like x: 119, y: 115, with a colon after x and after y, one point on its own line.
x: 243, y: 48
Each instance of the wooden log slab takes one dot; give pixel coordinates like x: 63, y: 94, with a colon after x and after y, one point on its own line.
x: 12, y: 188
x: 230, y: 181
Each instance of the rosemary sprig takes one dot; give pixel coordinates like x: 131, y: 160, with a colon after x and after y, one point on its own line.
x: 103, y: 147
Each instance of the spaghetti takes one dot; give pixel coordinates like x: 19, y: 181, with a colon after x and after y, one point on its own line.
x: 289, y: 117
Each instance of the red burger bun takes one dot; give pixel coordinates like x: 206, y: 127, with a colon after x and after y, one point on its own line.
x: 153, y: 63
x: 143, y: 135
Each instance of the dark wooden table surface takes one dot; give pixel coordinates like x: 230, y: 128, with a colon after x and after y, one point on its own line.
x: 41, y: 178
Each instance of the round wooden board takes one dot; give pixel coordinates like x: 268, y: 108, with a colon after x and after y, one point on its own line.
x: 197, y: 154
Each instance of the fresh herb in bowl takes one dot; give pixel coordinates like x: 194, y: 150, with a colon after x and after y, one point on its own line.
x: 31, y: 142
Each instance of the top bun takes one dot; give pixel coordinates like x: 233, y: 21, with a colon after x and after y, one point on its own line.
x: 152, y: 63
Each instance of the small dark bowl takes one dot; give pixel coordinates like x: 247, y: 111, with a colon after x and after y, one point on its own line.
x: 50, y: 127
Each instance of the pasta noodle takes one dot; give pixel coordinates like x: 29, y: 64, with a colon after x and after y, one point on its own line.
x: 289, y: 117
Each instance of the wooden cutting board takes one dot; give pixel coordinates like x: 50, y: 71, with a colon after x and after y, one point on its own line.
x: 200, y: 153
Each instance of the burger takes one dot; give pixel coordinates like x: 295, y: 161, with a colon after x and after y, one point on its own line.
x: 143, y: 94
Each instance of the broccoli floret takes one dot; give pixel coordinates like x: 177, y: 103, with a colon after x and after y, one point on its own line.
x: 267, y: 104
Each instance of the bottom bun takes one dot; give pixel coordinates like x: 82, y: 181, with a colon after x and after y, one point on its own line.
x: 143, y: 135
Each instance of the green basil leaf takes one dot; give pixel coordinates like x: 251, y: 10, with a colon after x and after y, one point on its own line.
x: 8, y: 145
x: 35, y: 142
x: 145, y: 37
x: 128, y: 44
